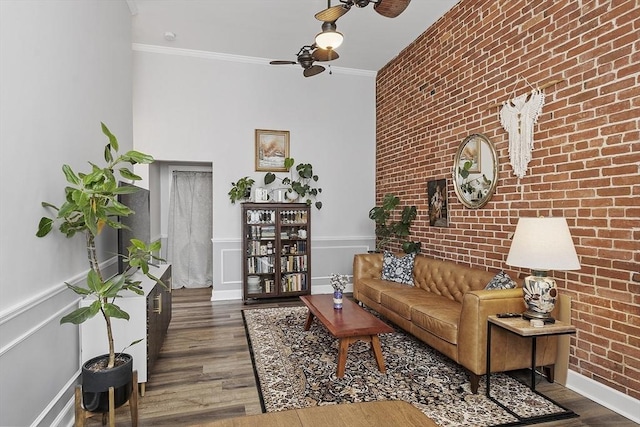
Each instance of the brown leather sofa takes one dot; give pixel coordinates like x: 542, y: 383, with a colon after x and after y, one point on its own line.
x: 447, y: 308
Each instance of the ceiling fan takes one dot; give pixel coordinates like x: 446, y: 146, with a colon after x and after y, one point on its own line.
x: 307, y: 55
x: 388, y: 8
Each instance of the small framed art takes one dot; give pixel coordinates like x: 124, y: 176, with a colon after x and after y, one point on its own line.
x: 272, y: 147
x: 437, y: 193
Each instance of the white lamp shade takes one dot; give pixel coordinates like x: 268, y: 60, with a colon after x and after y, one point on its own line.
x: 329, y: 39
x: 543, y: 244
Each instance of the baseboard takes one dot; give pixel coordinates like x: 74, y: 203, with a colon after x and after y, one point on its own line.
x: 234, y: 294
x: 227, y: 295
x: 606, y: 396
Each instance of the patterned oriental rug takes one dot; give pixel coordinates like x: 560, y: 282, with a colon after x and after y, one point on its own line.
x: 297, y: 369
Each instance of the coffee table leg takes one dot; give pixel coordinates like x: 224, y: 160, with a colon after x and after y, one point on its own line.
x: 307, y: 324
x: 342, y: 356
x: 377, y: 351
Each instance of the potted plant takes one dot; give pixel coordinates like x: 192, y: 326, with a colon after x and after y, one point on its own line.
x: 91, y: 204
x: 300, y: 187
x: 241, y: 189
x: 387, y: 231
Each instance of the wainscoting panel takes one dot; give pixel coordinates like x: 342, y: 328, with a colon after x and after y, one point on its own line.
x: 328, y: 255
x: 40, y: 358
x: 335, y: 257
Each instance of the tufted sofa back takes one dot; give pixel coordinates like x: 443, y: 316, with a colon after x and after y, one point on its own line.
x: 447, y: 278
x: 444, y: 278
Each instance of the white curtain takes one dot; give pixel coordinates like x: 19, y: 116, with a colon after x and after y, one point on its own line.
x: 190, y: 229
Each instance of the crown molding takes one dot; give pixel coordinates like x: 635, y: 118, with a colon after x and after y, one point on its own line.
x: 138, y: 47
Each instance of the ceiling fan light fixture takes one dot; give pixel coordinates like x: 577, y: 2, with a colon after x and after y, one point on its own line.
x: 329, y: 38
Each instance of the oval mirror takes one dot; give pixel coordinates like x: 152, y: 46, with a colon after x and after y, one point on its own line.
x: 475, y: 171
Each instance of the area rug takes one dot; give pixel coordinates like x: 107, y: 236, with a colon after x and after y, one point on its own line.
x: 297, y: 369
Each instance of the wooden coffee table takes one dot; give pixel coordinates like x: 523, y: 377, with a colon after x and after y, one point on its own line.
x: 350, y: 324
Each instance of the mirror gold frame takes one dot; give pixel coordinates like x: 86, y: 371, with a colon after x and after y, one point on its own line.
x: 475, y: 171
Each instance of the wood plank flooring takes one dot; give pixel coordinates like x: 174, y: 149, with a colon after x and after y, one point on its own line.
x: 204, y: 371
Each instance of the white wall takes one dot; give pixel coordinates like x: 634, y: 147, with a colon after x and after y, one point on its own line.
x: 64, y: 67
x: 197, y: 107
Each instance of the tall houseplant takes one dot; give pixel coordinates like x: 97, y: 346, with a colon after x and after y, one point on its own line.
x: 91, y: 203
x: 387, y: 230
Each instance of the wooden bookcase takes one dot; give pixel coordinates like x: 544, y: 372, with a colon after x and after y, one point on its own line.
x: 276, y: 249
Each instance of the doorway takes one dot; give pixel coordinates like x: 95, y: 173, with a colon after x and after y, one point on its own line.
x: 190, y: 229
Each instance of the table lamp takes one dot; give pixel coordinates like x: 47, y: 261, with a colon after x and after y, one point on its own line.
x: 542, y: 244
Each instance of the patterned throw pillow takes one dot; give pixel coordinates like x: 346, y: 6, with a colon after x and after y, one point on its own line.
x: 501, y: 281
x: 396, y: 269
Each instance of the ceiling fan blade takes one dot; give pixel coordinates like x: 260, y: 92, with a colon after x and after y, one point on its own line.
x: 323, y: 55
x: 283, y: 62
x: 332, y: 14
x: 313, y: 70
x: 391, y: 8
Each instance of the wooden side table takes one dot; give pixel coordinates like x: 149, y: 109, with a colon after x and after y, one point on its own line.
x: 523, y: 328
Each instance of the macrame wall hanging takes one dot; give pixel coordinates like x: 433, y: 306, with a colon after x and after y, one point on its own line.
x: 518, y: 116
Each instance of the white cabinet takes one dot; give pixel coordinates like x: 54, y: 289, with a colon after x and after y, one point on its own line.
x: 150, y: 315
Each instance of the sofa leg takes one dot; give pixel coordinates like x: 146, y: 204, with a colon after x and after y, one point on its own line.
x: 475, y: 382
x: 549, y: 371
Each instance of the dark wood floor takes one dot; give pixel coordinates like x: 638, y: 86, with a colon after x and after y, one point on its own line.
x: 204, y: 371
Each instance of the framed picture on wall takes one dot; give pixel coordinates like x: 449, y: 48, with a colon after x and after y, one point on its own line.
x: 272, y: 147
x: 437, y: 193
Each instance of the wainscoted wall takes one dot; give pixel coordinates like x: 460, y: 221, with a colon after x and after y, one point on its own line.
x: 31, y: 336
x: 216, y: 121
x: 66, y: 66
x: 329, y: 255
x: 450, y: 82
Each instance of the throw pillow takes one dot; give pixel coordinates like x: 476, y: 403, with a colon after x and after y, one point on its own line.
x: 398, y: 269
x: 501, y: 281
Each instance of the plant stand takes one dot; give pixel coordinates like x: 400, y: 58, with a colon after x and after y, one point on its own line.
x: 82, y: 414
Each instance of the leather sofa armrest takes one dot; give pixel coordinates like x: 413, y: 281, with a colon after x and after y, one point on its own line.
x: 472, y: 328
x: 365, y: 266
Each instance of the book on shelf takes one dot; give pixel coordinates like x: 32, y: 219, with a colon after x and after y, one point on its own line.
x: 294, y: 282
x: 261, y: 232
x: 292, y: 263
x: 261, y: 264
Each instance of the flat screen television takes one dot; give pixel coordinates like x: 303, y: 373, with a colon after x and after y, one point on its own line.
x: 139, y: 222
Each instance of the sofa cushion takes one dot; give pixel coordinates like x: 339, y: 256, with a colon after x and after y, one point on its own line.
x: 501, y: 281
x: 398, y: 269
x: 440, y: 319
x: 402, y: 300
x: 373, y: 288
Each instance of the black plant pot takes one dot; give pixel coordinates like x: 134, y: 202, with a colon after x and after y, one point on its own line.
x: 96, y: 382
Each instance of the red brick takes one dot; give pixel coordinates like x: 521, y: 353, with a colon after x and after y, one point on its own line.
x: 585, y: 156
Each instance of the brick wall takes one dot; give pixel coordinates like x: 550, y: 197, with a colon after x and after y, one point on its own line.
x: 586, y: 157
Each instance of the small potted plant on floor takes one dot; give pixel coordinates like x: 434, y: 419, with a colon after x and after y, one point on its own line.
x: 91, y: 204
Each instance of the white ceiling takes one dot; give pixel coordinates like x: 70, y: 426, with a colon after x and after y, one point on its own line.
x: 276, y: 29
